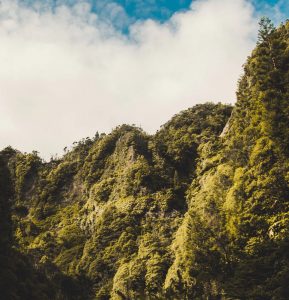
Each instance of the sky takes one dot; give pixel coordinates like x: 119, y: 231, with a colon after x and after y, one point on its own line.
x: 70, y: 68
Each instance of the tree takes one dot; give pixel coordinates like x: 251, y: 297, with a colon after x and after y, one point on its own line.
x: 265, y: 29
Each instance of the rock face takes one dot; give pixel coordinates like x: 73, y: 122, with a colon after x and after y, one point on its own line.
x: 195, y: 211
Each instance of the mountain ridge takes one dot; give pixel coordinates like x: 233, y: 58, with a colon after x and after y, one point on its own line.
x: 200, y: 210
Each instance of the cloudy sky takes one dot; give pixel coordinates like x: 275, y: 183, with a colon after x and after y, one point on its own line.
x: 70, y: 68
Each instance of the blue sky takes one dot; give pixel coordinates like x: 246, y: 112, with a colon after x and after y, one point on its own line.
x: 160, y: 10
x: 163, y: 9
x: 156, y: 9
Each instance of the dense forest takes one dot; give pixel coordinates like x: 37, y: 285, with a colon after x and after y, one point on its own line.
x: 199, y: 210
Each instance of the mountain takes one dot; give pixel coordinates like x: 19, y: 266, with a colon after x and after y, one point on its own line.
x: 200, y: 210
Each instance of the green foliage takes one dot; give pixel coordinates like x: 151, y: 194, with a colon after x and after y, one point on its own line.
x: 200, y: 210
x: 240, y: 195
x: 266, y: 28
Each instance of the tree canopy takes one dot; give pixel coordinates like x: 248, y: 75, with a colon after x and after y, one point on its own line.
x: 199, y: 210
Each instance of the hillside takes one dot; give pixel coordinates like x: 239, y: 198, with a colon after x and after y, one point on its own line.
x: 200, y: 210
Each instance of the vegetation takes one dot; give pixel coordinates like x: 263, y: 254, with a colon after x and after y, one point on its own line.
x: 200, y: 210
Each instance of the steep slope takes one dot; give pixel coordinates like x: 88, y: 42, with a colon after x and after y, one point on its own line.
x: 200, y: 210
x: 100, y: 221
x: 233, y: 242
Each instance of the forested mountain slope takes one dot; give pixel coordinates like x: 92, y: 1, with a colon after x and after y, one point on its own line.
x: 200, y: 210
x: 234, y: 238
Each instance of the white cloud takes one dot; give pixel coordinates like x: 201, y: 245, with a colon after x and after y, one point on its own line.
x: 67, y: 74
